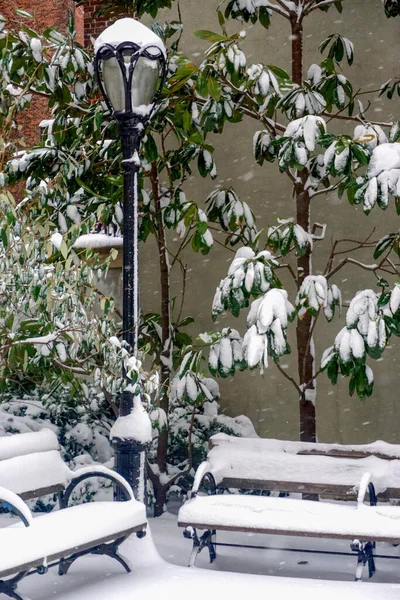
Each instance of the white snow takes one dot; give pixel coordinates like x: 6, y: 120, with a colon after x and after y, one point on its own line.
x: 263, y: 445
x: 36, y: 47
x: 136, y: 425
x: 98, y: 240
x: 56, y: 239
x: 285, y: 575
x: 20, y: 444
x: 129, y: 30
x: 34, y: 471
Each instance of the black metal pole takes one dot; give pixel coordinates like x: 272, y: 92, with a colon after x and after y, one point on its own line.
x: 130, y: 454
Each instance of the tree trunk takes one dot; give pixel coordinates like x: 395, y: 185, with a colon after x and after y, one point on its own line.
x: 160, y: 490
x: 305, y: 345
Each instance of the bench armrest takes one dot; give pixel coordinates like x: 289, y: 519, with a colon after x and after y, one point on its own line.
x: 96, y: 471
x: 364, y: 485
x: 16, y: 505
x: 203, y: 471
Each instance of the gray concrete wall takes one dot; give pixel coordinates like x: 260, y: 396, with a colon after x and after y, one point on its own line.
x: 270, y: 401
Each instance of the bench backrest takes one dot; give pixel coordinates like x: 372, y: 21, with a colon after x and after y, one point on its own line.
x: 275, y: 465
x: 31, y: 464
x: 379, y: 448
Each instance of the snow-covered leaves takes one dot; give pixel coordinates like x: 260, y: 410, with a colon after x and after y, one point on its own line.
x: 382, y: 178
x: 302, y: 100
x: 299, y: 140
x: 369, y: 135
x: 341, y: 153
x: 263, y: 148
x: 340, y: 47
x: 288, y: 235
x: 226, y: 354
x: 189, y: 386
x: 267, y: 322
x: 234, y: 216
x: 51, y: 329
x: 249, y: 10
x: 315, y: 294
x: 250, y: 274
x: 365, y: 333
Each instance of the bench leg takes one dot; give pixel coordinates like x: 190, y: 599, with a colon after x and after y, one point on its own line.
x: 9, y: 586
x: 365, y: 555
x: 110, y: 550
x: 206, y: 540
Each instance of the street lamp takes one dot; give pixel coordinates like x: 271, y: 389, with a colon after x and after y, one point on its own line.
x: 130, y: 65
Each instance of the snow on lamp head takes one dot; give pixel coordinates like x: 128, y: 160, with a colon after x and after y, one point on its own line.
x: 130, y: 65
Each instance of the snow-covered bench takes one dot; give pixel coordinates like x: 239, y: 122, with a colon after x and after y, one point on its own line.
x: 31, y: 466
x: 274, y: 465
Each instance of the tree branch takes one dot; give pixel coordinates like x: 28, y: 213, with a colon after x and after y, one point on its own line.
x: 373, y: 268
x: 315, y: 6
x: 288, y: 377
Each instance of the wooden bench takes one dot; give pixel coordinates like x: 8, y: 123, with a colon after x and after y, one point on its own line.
x: 31, y: 466
x: 334, y: 471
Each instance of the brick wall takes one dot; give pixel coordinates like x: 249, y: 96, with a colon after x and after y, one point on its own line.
x: 45, y: 13
x: 93, y: 24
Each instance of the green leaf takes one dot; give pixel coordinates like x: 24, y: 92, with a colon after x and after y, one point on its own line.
x: 214, y: 89
x: 4, y: 238
x: 150, y: 147
x: 210, y: 36
x: 264, y: 17
x: 384, y: 244
x: 281, y: 73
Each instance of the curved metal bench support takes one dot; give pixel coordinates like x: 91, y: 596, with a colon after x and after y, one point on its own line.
x: 208, y: 539
x: 88, y: 475
x: 110, y: 549
x: 8, y: 586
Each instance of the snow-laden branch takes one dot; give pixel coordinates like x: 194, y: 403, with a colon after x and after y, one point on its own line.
x: 373, y: 268
x: 280, y: 7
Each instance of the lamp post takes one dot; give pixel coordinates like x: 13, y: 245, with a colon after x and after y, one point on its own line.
x: 130, y: 65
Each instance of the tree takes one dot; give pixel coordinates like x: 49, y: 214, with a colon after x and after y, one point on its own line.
x: 73, y: 180
x: 365, y: 166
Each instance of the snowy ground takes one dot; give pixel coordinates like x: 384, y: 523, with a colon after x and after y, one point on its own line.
x: 160, y: 568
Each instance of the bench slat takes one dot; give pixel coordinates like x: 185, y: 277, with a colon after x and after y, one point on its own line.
x: 62, y: 532
x: 42, y: 470
x: 337, y: 491
x: 288, y: 516
x: 70, y: 551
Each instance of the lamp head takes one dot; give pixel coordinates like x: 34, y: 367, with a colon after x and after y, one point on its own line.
x: 130, y: 71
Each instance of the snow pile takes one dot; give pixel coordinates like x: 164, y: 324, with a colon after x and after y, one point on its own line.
x: 135, y: 426
x: 98, y: 240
